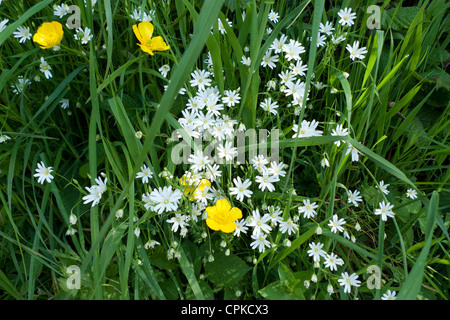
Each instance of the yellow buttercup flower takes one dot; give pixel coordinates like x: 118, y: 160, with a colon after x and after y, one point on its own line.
x: 144, y: 32
x: 49, y: 34
x: 222, y: 216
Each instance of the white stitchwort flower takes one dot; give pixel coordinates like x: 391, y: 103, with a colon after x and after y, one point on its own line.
x: 269, y: 60
x: 354, y: 152
x: 307, y: 129
x: 321, y: 40
x: 20, y: 84
x: 277, y: 44
x: 347, y: 17
x: 3, y: 24
x: 411, y: 193
x: 231, y: 97
x: 336, y: 224
x: 347, y: 281
x: 241, y: 226
x: 164, y: 70
x: 83, y: 35
x: 246, y: 61
x: 227, y: 151
x: 316, y: 251
x: 4, y: 138
x: 64, y: 103
x: 71, y: 231
x: 199, y: 161
x: 355, y: 51
x: 273, y: 16
x: 241, y: 189
x: 389, y: 295
x: 259, y: 223
x: 276, y: 169
x: 164, y: 199
x: 200, y: 79
x: 266, y: 182
x: 288, y: 226
x: 94, y: 196
x: 212, y: 172
x: 178, y: 221
x: 61, y: 10
x: 338, y: 39
x: 383, y: 187
x: 331, y: 260
x: 269, y: 105
x: 308, y: 209
x: 259, y: 162
x: 293, y: 50
x: 22, y: 33
x: 298, y: 69
x: 145, y: 174
x: 260, y: 242
x: 43, y: 173
x: 45, y: 68
x: 136, y: 15
x: 354, y: 197
x: 275, y: 215
x: 221, y: 27
x: 326, y: 28
x: 151, y: 244
x: 385, y: 210
x: 339, y: 131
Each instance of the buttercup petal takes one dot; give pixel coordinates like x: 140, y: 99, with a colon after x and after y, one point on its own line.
x: 228, y: 228
x: 146, y: 30
x: 212, y: 224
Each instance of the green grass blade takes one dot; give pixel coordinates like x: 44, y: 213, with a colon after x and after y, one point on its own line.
x: 411, y: 287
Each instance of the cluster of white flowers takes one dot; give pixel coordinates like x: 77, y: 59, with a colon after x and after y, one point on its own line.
x: 205, y: 118
x: 95, y: 192
x: 83, y: 35
x: 140, y: 15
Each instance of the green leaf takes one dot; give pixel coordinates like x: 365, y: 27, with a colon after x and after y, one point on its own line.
x: 409, y: 209
x: 399, y: 18
x: 226, y: 270
x: 278, y: 291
